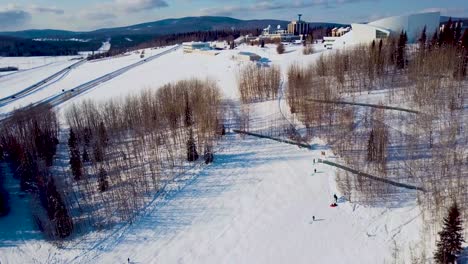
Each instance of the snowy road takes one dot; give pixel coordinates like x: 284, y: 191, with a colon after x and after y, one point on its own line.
x: 28, y: 90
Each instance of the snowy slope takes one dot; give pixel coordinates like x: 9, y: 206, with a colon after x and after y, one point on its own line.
x: 84, y: 73
x: 15, y: 82
x: 175, y: 66
x: 25, y: 63
x: 253, y: 205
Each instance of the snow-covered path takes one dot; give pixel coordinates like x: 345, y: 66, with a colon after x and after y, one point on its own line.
x: 255, y: 205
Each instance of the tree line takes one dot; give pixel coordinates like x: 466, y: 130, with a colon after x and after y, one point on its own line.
x: 428, y: 149
x: 114, y: 155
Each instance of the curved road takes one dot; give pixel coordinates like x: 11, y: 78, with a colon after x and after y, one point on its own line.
x: 13, y: 97
x: 62, y: 97
x: 67, y: 95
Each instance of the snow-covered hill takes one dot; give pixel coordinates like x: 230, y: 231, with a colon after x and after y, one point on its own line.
x: 254, y: 204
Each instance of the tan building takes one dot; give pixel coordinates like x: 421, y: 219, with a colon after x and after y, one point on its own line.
x: 298, y: 27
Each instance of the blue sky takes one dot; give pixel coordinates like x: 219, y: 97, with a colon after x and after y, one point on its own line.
x: 94, y: 14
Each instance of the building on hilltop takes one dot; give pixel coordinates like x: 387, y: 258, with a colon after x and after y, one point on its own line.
x: 278, y: 34
x: 412, y: 24
x: 338, y: 32
x: 199, y: 47
x: 298, y: 27
x: 190, y: 47
x: 360, y: 33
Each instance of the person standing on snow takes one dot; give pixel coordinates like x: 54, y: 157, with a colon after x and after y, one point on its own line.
x: 336, y: 198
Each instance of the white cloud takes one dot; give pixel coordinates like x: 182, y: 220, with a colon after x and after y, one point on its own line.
x: 130, y: 6
x: 42, y: 9
x: 274, y: 5
x: 12, y: 17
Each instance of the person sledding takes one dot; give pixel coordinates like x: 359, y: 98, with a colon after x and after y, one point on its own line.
x: 335, y: 204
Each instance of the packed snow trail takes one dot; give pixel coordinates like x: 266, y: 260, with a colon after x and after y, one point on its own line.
x: 366, y: 105
x: 255, y: 205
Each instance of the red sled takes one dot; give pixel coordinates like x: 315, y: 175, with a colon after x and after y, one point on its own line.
x: 333, y: 205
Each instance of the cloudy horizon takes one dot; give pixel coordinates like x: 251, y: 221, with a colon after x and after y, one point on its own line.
x: 92, y: 14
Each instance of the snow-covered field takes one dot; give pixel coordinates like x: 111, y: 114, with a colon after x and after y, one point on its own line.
x: 254, y: 204
x: 82, y: 74
x: 25, y: 63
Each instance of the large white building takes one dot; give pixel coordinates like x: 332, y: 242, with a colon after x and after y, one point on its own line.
x: 413, y: 25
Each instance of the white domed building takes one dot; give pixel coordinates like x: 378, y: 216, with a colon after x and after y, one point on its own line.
x: 412, y: 24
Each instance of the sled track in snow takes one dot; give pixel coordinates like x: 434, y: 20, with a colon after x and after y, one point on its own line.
x: 366, y: 105
x: 359, y: 173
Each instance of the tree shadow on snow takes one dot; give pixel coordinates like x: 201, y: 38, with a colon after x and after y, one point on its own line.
x: 463, y: 258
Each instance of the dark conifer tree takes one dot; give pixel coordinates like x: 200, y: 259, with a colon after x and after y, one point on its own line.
x: 103, y: 137
x: 457, y: 34
x: 4, y: 206
x: 85, y: 156
x: 451, y: 237
x: 423, y: 39
x: 464, y: 41
x: 208, y: 155
x: 98, y: 153
x: 75, y: 160
x: 401, y: 54
x: 435, y: 40
x: 188, y: 111
x: 103, y: 182
x: 57, y: 211
x: 371, y: 146
x: 192, y: 154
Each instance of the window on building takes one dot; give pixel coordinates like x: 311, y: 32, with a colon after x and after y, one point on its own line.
x: 380, y: 34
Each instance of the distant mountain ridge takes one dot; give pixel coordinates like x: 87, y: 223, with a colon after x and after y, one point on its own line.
x: 161, y: 27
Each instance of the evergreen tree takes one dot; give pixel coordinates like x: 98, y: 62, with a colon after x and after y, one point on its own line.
x: 208, y: 155
x: 464, y: 40
x: 4, y: 206
x: 448, y: 32
x: 103, y: 137
x: 85, y: 157
x: 72, y: 140
x: 435, y: 40
x: 103, y: 183
x: 458, y: 29
x: 75, y: 161
x: 188, y: 111
x: 98, y: 153
x: 192, y: 154
x: 401, y: 54
x: 76, y: 164
x: 371, y: 146
x: 423, y: 39
x: 451, y: 237
x: 56, y: 211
